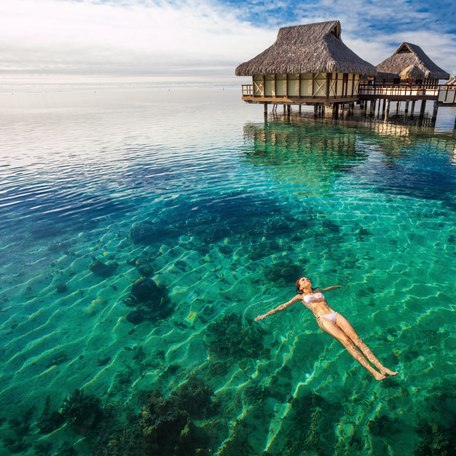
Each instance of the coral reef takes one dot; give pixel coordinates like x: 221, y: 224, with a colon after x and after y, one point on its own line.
x: 309, y: 428
x: 196, y: 398
x: 437, y: 423
x: 82, y: 411
x: 230, y: 337
x: 165, y: 426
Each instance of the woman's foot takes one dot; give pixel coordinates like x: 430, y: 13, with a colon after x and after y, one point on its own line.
x: 379, y: 376
x: 387, y: 371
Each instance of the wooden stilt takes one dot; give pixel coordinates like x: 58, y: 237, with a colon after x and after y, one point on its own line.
x: 406, y: 107
x: 372, y: 108
x: 265, y: 110
x: 412, y: 108
x: 397, y: 107
x: 387, y: 110
x: 434, y: 112
x: 383, y: 107
x: 423, y: 108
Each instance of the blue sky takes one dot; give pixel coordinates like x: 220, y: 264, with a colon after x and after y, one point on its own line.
x: 190, y: 38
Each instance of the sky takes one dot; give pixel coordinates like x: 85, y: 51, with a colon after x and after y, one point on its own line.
x: 202, y: 38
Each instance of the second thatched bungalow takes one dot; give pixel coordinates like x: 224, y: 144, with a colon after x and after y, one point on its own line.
x: 308, y: 64
x: 410, y: 64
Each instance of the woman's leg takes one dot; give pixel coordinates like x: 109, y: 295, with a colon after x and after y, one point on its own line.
x: 348, y: 329
x: 333, y: 330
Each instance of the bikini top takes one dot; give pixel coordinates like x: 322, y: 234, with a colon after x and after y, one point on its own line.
x: 313, y: 297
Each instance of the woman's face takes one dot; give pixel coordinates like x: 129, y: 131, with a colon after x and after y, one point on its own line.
x: 304, y: 283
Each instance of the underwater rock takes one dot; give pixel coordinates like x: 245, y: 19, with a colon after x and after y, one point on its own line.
x: 136, y: 317
x: 61, y: 287
x: 229, y: 337
x: 103, y: 269
x: 150, y: 299
x: 82, y: 411
x: 144, y: 290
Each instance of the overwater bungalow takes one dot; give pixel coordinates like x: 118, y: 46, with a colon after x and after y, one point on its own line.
x: 308, y: 64
x: 410, y: 64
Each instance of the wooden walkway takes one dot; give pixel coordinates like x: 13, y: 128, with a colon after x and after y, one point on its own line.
x: 443, y: 94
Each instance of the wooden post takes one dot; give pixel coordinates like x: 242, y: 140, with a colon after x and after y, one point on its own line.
x: 315, y: 110
x: 265, y: 110
x: 434, y: 112
x: 423, y: 108
x: 397, y: 107
x: 387, y: 110
x: 372, y: 108
x: 300, y: 110
x: 406, y: 107
x: 284, y: 109
x: 412, y: 108
x: 383, y: 107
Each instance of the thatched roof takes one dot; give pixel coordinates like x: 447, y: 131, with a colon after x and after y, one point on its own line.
x: 408, y: 56
x: 311, y: 48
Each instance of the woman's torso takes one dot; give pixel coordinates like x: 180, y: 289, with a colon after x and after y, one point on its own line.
x: 316, y: 303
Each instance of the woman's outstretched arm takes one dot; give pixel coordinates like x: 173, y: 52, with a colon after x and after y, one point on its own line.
x: 335, y: 287
x: 279, y: 308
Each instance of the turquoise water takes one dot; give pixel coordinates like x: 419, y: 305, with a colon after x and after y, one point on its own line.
x: 143, y: 230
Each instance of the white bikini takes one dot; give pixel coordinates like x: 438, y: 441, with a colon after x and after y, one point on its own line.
x: 315, y: 297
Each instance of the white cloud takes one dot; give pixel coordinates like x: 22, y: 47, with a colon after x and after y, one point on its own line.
x: 134, y: 38
x: 185, y: 37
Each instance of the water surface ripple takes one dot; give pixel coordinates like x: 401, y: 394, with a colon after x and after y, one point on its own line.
x: 192, y: 190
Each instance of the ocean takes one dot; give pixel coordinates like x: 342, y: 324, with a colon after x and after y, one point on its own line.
x: 142, y: 229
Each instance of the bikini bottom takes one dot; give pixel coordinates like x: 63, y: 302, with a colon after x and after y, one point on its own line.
x: 331, y: 316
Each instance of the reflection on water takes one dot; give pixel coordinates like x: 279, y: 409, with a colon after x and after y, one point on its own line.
x: 141, y: 232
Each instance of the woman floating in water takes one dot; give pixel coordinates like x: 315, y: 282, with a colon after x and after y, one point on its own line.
x: 334, y: 324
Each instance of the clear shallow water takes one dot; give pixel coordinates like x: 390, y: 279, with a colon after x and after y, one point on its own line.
x: 231, y: 211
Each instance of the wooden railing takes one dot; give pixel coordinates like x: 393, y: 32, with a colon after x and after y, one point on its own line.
x: 405, y: 90
x: 447, y: 94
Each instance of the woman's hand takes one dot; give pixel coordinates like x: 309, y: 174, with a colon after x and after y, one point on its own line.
x: 260, y: 317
